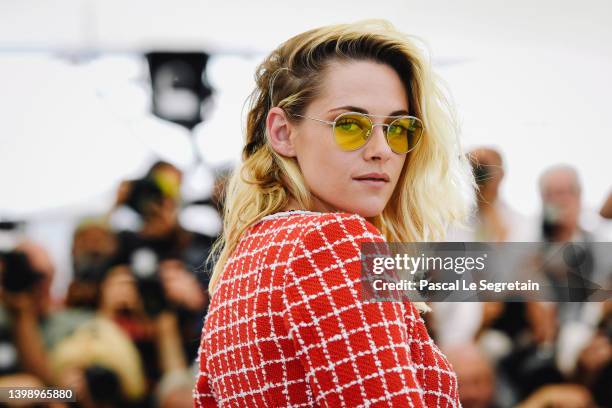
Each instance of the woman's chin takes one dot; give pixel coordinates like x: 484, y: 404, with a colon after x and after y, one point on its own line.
x: 369, y: 210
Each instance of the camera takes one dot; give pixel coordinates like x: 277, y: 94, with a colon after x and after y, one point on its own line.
x: 143, y: 193
x: 103, y: 385
x: 17, y: 274
x: 91, y: 267
x: 550, y: 222
x: 145, y: 267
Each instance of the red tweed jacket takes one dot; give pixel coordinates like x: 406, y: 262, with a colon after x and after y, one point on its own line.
x: 287, y: 325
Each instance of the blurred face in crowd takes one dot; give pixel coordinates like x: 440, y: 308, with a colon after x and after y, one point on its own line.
x: 93, y: 243
x: 474, y: 374
x: 119, y: 294
x: 491, y: 165
x: 336, y: 177
x: 160, y: 217
x: 560, y: 190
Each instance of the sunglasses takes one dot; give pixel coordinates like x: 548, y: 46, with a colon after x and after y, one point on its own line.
x: 352, y: 130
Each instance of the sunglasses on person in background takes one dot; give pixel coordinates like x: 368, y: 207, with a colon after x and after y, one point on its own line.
x: 352, y: 130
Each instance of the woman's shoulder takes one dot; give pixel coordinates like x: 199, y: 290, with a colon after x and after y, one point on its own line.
x: 344, y: 226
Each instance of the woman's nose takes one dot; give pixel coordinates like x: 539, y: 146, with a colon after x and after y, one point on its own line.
x: 377, y: 146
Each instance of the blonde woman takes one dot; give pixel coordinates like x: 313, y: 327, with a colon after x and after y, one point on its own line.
x: 348, y: 140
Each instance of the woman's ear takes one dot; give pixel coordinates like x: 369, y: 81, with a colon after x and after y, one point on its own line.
x: 279, y: 132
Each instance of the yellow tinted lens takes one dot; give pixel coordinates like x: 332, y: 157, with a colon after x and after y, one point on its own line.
x: 352, y: 131
x: 403, y: 134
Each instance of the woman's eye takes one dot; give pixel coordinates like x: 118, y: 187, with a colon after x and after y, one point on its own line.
x: 397, y: 130
x: 348, y: 126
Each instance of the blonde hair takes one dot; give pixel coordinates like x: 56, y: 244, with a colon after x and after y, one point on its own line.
x: 433, y: 188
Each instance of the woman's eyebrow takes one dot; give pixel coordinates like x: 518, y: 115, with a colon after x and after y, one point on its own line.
x: 361, y: 110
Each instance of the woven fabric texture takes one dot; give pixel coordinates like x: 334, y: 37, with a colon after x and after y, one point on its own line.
x: 287, y: 325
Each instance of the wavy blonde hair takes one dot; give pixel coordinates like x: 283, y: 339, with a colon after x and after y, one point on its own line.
x: 433, y: 188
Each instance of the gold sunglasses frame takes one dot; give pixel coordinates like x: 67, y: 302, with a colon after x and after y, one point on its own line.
x: 368, y: 116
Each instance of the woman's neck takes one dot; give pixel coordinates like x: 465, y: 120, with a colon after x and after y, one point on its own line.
x: 292, y: 205
x: 318, y: 206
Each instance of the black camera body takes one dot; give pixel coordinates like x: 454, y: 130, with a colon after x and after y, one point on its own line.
x: 17, y: 274
x: 104, y: 385
x: 143, y: 192
x: 145, y: 268
x: 92, y: 267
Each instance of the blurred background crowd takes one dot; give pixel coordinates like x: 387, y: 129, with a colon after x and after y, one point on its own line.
x: 534, y: 353
x: 119, y: 130
x: 127, y: 331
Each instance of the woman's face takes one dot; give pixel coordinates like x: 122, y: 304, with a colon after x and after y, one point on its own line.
x: 336, y: 177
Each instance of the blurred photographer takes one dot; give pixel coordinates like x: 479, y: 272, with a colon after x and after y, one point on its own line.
x: 585, y: 350
x: 94, y: 252
x: 162, y: 253
x: 560, y: 190
x: 141, y: 303
x: 156, y: 199
x: 25, y: 275
x: 572, y: 273
x: 101, y: 364
x: 492, y: 221
x: 565, y: 342
x: 34, y: 329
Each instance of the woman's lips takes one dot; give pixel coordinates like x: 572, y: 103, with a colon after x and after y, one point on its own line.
x: 372, y: 182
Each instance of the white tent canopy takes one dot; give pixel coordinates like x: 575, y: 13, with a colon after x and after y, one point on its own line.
x: 531, y: 78
x: 453, y: 28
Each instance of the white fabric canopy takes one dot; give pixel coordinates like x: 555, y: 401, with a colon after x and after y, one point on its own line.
x: 531, y: 78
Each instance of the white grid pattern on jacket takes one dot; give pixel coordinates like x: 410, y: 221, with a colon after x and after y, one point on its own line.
x: 287, y: 326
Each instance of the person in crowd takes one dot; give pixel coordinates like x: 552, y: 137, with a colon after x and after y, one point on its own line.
x: 174, y: 389
x: 585, y: 350
x: 131, y: 354
x: 166, y: 249
x: 479, y: 386
x: 561, y: 193
x: 156, y: 198
x: 559, y: 395
x: 546, y: 338
x: 94, y: 249
x: 139, y: 360
x: 146, y: 308
x: 492, y: 221
x: 476, y: 375
x: 348, y: 140
x: 100, y: 363
x: 31, y: 322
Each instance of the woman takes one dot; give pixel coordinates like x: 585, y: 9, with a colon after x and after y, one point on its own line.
x: 348, y: 140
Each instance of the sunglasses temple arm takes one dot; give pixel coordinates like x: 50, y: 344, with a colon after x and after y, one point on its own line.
x: 318, y: 120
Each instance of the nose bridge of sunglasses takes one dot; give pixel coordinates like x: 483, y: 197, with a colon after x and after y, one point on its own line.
x: 381, y: 139
x: 383, y: 128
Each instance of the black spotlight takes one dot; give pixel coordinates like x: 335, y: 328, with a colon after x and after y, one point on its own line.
x: 179, y: 86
